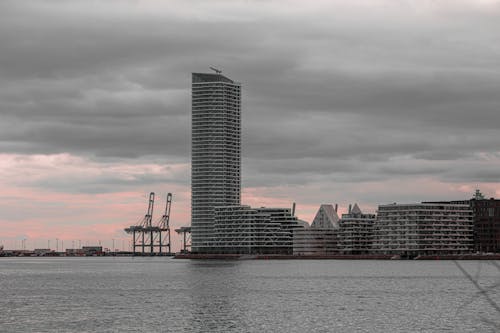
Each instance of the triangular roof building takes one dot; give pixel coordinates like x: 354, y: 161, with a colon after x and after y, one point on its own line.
x: 356, y: 209
x: 326, y: 218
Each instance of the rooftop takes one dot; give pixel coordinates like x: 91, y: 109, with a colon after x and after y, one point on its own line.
x: 209, y: 77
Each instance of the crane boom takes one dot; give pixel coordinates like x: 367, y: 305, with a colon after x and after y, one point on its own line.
x: 217, y: 71
x: 149, y: 216
x: 167, y: 209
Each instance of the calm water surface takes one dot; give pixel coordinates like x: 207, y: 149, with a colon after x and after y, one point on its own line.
x: 168, y: 295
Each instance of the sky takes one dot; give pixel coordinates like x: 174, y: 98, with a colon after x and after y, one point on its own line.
x: 371, y: 102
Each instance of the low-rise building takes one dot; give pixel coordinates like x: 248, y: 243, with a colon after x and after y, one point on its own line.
x: 321, y: 238
x: 356, y: 231
x: 42, y: 252
x: 486, y: 216
x: 75, y: 252
x: 92, y: 250
x: 245, y: 230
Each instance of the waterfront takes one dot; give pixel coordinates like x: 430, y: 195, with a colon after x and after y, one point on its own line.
x: 103, y: 294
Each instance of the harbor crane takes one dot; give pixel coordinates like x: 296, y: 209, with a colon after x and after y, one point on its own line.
x: 186, y: 235
x: 164, y: 226
x: 148, y: 236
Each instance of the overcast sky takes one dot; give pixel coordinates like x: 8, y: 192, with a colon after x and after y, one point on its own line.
x: 343, y: 101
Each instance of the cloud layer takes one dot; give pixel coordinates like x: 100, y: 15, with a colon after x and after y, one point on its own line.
x: 369, y: 101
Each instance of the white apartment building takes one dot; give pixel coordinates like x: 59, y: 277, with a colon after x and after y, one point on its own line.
x: 423, y: 229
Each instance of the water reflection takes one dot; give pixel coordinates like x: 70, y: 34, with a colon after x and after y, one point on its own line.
x: 213, y: 290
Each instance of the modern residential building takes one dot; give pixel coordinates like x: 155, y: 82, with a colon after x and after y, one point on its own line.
x: 245, y: 230
x: 216, y: 153
x: 326, y: 217
x: 423, y: 229
x: 356, y: 231
x: 486, y: 216
x: 486, y: 225
x: 322, y: 237
x: 287, y: 221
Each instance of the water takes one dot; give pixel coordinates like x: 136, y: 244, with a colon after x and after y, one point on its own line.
x: 168, y: 295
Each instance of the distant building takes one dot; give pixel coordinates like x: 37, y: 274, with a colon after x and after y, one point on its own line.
x: 356, y: 231
x: 314, y: 242
x: 245, y: 230
x: 287, y: 222
x: 486, y: 225
x: 423, y: 229
x: 302, y: 224
x: 326, y: 218
x: 322, y: 237
x: 486, y: 216
x: 42, y: 252
x: 92, y: 250
x: 75, y: 252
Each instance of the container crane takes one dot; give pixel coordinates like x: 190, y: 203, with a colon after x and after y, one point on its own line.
x: 152, y: 238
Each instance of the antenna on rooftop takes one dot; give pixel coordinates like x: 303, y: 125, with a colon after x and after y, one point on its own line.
x: 217, y: 71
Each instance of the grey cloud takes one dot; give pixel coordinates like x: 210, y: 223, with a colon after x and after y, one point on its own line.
x: 106, y: 184
x: 326, y: 93
x: 130, y: 138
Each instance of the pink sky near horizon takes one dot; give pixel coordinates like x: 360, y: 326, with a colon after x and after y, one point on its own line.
x: 30, y: 209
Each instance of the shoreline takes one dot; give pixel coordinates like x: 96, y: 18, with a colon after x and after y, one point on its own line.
x: 335, y: 257
x: 190, y: 256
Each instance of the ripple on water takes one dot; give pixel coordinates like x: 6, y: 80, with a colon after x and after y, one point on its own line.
x: 166, y: 295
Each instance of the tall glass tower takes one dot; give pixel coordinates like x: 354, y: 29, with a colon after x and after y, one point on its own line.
x: 215, y: 153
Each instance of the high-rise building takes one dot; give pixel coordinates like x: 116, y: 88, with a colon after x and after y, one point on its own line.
x: 215, y: 155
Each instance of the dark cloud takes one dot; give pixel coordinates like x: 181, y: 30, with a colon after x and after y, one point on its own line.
x: 340, y: 91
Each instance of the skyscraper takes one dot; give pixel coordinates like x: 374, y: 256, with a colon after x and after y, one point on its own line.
x: 215, y: 155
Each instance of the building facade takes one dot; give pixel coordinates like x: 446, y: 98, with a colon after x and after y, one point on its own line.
x: 423, y: 229
x: 315, y: 242
x: 356, y: 231
x: 486, y: 215
x: 245, y: 230
x: 486, y: 225
x: 215, y: 154
x: 322, y: 237
x: 326, y: 217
